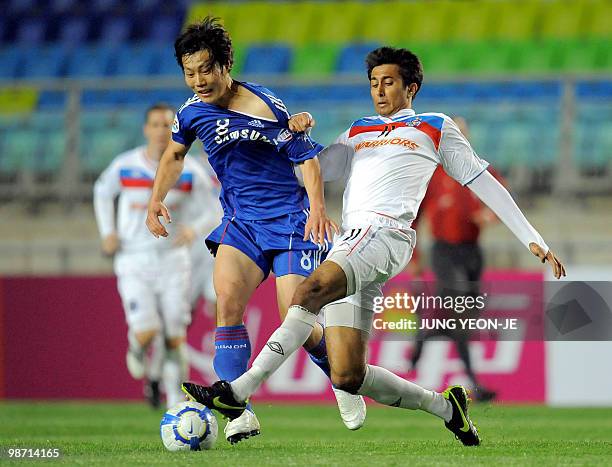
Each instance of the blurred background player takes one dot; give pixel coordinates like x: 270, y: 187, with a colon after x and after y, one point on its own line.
x: 153, y: 277
x: 455, y: 217
x: 270, y: 223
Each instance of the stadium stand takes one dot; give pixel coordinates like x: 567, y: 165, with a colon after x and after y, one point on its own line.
x: 476, y: 55
x: 534, y: 83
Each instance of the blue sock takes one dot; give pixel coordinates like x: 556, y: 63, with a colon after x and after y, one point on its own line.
x: 318, y: 354
x: 232, y: 352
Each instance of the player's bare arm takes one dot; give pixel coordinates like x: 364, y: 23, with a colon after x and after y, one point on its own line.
x: 318, y: 224
x: 168, y: 173
x: 110, y: 244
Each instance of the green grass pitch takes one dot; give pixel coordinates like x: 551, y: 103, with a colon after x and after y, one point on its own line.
x: 127, y: 434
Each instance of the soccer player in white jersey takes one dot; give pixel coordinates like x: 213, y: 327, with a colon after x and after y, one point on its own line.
x: 390, y: 158
x: 153, y: 277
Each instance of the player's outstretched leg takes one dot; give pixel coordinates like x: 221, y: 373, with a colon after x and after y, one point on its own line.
x: 451, y: 406
x: 290, y: 336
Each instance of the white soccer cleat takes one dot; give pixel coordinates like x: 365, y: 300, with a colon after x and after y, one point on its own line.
x: 352, y: 409
x: 135, y: 364
x: 242, y: 427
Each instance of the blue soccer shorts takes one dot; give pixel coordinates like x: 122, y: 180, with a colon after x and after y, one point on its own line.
x: 275, y: 244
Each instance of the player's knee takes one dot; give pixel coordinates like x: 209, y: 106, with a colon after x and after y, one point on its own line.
x: 310, y: 293
x: 230, y: 309
x: 349, y: 381
x: 145, y: 338
x: 174, y: 342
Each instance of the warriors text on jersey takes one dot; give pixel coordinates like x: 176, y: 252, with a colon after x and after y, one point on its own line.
x: 390, y: 162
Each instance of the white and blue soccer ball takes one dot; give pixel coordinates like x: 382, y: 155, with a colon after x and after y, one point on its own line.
x: 188, y: 426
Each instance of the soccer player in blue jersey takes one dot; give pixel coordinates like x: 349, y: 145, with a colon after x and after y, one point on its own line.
x: 270, y: 222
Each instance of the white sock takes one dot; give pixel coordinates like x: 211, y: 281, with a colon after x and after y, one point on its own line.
x: 156, y: 360
x: 174, y: 373
x: 289, y: 337
x: 389, y: 389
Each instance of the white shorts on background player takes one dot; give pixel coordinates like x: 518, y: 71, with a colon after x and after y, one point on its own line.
x: 155, y: 289
x: 390, y: 162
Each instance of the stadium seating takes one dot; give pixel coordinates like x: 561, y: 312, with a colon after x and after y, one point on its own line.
x: 352, y: 58
x: 495, y: 40
x: 74, y: 30
x: 266, y: 59
x: 314, y: 60
x: 20, y: 149
x: 100, y: 147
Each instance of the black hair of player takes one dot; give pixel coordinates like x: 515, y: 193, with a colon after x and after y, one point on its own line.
x: 208, y: 35
x: 409, y: 64
x: 157, y: 106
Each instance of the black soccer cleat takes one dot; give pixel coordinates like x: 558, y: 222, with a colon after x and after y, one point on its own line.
x: 460, y: 423
x: 219, y: 397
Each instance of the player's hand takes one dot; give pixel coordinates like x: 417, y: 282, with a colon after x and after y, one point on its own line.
x: 110, y: 244
x: 154, y: 211
x: 319, y: 226
x: 185, y: 235
x: 557, y: 266
x: 301, y: 122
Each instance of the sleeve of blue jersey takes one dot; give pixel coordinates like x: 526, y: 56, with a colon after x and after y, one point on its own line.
x: 301, y: 148
x: 181, y: 133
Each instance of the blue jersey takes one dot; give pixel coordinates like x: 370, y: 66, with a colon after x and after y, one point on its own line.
x: 252, y: 157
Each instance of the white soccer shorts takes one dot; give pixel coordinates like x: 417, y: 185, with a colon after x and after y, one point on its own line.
x: 155, y: 289
x: 369, y: 257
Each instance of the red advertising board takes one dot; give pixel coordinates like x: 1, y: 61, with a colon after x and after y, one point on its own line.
x: 65, y: 338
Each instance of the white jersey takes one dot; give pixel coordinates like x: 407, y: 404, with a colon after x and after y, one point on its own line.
x: 390, y: 161
x: 192, y: 201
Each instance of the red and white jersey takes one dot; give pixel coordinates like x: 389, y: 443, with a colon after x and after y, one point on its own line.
x: 390, y: 161
x: 192, y: 201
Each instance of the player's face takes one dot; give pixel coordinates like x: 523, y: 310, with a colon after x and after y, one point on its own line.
x: 387, y: 89
x: 157, y: 128
x: 208, y: 82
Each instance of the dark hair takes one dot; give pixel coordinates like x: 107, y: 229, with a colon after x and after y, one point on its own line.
x: 409, y: 64
x: 208, y: 35
x: 157, y: 106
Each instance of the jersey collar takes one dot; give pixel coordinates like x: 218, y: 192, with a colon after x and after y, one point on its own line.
x: 149, y: 163
x: 399, y: 114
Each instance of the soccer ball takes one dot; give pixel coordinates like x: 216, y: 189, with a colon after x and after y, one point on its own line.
x: 188, y: 426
